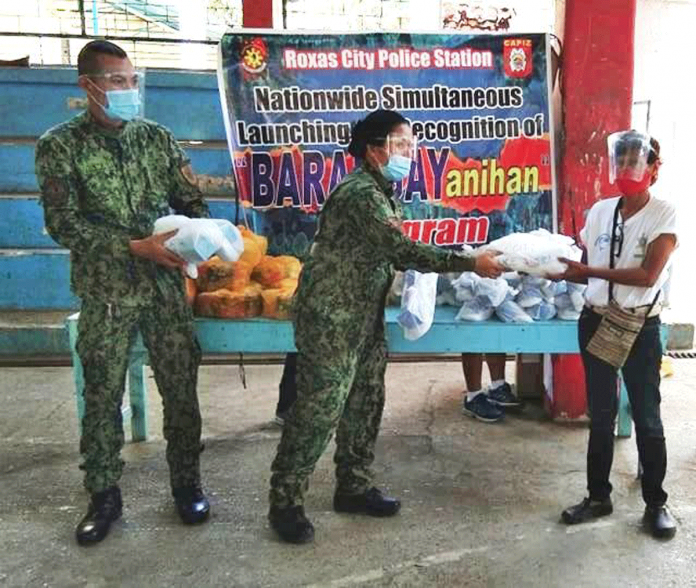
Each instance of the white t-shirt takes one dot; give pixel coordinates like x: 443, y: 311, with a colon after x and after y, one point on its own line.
x: 656, y: 218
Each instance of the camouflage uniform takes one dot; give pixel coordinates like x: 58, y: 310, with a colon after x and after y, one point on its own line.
x: 340, y: 335
x: 100, y: 189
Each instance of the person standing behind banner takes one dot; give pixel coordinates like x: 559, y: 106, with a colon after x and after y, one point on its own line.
x: 339, y: 327
x: 629, y: 241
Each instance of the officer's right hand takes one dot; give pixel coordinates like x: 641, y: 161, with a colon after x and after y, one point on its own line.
x: 487, y: 266
x: 153, y: 248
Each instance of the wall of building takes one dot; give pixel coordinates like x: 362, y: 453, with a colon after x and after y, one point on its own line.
x: 199, y: 19
x: 663, y: 79
x: 419, y: 15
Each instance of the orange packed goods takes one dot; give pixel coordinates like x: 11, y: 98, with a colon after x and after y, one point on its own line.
x: 254, y: 287
x: 276, y: 304
x: 259, y: 240
x: 227, y: 304
x: 252, y: 253
x: 272, y: 270
x: 190, y: 290
x: 216, y: 274
x: 287, y: 285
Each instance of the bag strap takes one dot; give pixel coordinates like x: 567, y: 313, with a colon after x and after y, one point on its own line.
x: 614, y: 226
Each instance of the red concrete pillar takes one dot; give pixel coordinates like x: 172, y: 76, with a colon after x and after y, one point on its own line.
x: 597, y: 96
x: 257, y: 14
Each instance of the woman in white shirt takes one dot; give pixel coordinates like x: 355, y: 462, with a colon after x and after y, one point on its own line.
x: 628, y: 241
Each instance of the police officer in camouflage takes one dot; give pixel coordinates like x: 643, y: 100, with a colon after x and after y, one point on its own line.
x: 339, y: 328
x: 105, y: 176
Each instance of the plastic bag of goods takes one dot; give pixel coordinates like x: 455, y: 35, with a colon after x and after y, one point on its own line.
x: 549, y: 289
x: 277, y: 303
x: 288, y: 285
x: 246, y: 303
x: 513, y: 279
x: 565, y: 310
x: 446, y: 294
x: 253, y: 287
x: 191, y: 290
x: 216, y: 274
x: 255, y: 247
x: 469, y: 286
x: 567, y: 314
x: 465, y: 286
x: 272, y: 270
x: 509, y: 311
x: 577, y: 294
x: 198, y: 239
x: 417, y: 303
x: 260, y: 240
x: 534, y: 253
x: 495, y: 289
x: 544, y: 311
x: 233, y: 236
x: 529, y: 296
x: 478, y: 308
x: 397, y: 287
x: 533, y: 291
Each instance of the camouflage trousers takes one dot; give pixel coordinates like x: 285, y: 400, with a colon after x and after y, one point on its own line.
x: 105, y: 335
x: 340, y: 387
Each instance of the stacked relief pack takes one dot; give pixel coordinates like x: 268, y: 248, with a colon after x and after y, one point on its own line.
x: 523, y: 295
x: 517, y: 299
x: 198, y: 239
x: 536, y: 253
x: 255, y: 285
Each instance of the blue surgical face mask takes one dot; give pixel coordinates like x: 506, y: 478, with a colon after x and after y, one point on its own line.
x: 122, y: 104
x: 397, y: 168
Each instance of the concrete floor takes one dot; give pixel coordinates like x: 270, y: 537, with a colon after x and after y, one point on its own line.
x: 481, y: 502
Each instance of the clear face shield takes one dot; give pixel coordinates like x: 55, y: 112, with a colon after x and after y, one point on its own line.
x: 628, y: 156
x: 403, y: 144
x: 401, y: 149
x: 120, y: 93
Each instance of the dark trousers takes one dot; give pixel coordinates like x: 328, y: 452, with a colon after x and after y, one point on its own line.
x: 641, y: 374
x: 287, y: 391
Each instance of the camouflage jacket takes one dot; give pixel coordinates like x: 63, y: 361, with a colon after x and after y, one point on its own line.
x: 358, y: 244
x: 100, y: 188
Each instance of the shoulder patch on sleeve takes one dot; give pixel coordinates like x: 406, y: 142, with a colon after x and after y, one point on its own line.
x: 55, y: 191
x: 394, y: 222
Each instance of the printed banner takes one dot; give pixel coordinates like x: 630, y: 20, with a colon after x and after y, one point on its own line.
x: 478, y: 105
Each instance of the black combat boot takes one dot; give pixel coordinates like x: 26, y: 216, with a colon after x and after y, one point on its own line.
x: 587, y: 510
x: 291, y: 524
x: 372, y: 502
x: 191, y: 504
x: 104, y: 508
x: 659, y: 522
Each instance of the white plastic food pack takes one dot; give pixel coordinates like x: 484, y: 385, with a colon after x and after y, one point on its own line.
x: 516, y: 298
x: 417, y: 303
x: 479, y: 296
x: 198, y: 239
x: 534, y: 253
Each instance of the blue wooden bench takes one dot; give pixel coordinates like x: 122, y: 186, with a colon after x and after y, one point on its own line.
x: 446, y: 336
